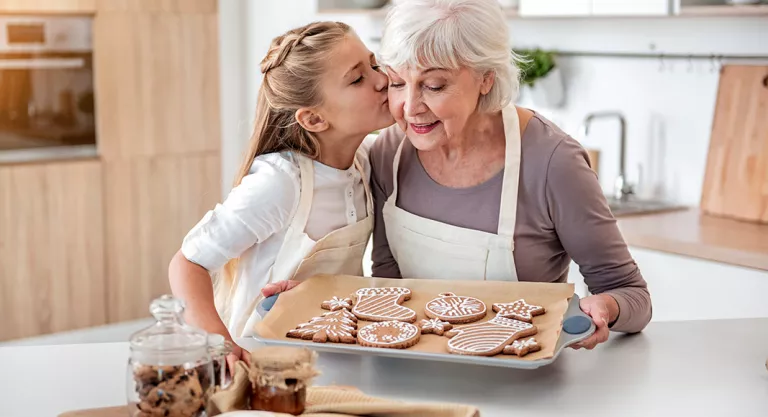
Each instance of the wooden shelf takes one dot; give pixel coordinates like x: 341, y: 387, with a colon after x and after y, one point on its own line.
x: 725, y: 10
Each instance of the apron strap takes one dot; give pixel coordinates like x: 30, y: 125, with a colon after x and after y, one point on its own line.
x: 511, y: 180
x: 395, y: 169
x: 307, y: 172
x: 366, y: 186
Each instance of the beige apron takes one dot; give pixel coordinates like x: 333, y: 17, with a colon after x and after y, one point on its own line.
x: 339, y: 252
x: 425, y: 248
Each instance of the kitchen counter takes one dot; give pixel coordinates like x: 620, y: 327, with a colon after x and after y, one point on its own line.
x: 690, y: 233
x: 701, y: 368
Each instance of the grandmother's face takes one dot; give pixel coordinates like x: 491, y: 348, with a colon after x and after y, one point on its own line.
x: 432, y: 105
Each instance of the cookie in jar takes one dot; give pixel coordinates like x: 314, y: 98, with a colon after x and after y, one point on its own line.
x: 170, y: 371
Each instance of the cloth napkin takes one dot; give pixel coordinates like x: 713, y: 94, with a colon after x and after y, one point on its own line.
x: 331, y: 402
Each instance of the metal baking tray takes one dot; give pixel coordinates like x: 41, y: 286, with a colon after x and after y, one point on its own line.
x: 573, y: 316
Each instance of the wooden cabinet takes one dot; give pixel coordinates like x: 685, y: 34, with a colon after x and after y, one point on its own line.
x: 170, y: 6
x: 51, y: 248
x: 47, y: 6
x: 555, y: 8
x: 157, y: 83
x: 151, y: 203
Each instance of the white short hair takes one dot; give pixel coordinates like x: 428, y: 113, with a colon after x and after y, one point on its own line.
x: 453, y: 34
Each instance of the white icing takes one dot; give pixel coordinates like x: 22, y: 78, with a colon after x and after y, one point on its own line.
x: 436, y: 325
x: 404, y: 332
x: 488, y: 337
x: 519, y: 309
x: 336, y: 323
x: 455, y: 307
x: 382, y: 304
x: 337, y: 303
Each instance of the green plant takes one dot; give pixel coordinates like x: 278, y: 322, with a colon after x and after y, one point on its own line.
x: 534, y: 64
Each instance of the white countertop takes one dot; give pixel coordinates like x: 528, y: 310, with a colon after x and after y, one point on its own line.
x: 692, y: 368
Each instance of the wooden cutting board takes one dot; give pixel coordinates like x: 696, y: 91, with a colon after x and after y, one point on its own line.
x: 736, y: 179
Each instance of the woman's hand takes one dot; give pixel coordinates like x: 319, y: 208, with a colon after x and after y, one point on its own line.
x: 238, y: 354
x: 278, y: 287
x: 603, y: 309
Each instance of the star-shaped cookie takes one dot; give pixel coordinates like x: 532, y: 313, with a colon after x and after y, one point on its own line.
x: 337, y: 303
x: 522, y: 347
x: 435, y: 326
x: 519, y: 310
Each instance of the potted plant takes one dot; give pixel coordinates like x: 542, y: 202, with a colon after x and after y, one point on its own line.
x: 541, y: 76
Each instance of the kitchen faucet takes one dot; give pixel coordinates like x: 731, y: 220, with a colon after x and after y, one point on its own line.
x: 622, y: 189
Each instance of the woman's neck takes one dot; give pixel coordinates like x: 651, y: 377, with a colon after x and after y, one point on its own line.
x: 337, y: 152
x: 481, y: 128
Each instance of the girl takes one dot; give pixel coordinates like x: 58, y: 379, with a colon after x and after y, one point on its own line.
x: 301, y: 203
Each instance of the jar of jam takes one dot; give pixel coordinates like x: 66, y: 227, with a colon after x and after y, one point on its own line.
x: 170, y: 372
x: 280, y: 377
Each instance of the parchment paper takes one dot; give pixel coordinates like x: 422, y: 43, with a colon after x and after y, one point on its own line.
x: 302, y: 303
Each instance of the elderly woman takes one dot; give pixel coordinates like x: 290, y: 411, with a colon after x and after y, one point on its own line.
x: 468, y: 186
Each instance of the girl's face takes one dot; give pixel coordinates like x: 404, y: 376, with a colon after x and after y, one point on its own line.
x: 354, y: 91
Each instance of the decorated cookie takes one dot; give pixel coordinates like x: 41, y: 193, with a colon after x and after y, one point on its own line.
x: 455, y: 309
x: 435, y: 326
x: 488, y: 338
x: 389, y: 334
x: 522, y: 347
x: 336, y: 326
x: 383, y: 304
x: 337, y: 303
x: 519, y: 310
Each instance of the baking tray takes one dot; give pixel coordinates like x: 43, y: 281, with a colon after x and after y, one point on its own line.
x: 574, y: 320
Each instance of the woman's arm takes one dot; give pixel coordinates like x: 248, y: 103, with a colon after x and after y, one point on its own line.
x: 589, y: 234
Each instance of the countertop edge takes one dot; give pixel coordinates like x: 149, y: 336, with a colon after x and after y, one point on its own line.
x: 648, y: 238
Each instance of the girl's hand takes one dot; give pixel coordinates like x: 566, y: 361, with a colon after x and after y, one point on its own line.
x: 238, y: 354
x: 278, y: 287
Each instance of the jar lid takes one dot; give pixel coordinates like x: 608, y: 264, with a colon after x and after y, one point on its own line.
x: 169, y: 341
x: 276, y: 365
x: 218, y: 345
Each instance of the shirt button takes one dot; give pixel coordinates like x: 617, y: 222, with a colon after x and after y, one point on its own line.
x: 349, y: 194
x: 350, y: 175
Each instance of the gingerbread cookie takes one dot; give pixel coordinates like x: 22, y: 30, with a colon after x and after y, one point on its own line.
x: 455, y: 309
x: 435, y: 326
x: 337, y: 303
x: 336, y: 326
x: 489, y: 338
x: 522, y: 347
x: 389, y: 334
x: 519, y: 310
x: 383, y: 304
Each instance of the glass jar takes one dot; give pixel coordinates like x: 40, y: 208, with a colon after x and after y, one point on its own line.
x: 170, y: 372
x: 280, y: 377
x: 219, y: 348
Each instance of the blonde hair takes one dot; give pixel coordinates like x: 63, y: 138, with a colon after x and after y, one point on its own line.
x: 453, y: 34
x: 292, y: 69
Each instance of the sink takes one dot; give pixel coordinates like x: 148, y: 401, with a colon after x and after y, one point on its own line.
x: 637, y: 207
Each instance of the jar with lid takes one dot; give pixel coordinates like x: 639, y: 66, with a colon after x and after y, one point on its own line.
x: 280, y: 377
x: 170, y: 372
x: 219, y: 348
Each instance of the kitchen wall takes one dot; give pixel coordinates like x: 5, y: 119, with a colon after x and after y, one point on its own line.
x: 669, y: 105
